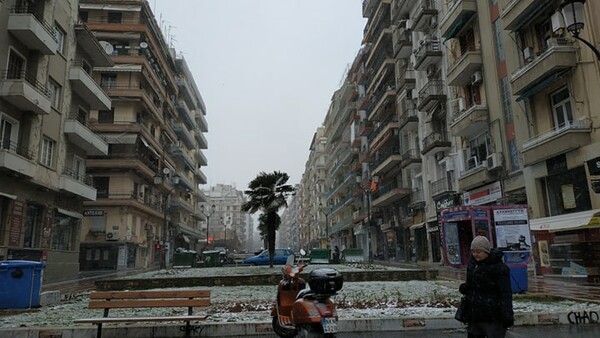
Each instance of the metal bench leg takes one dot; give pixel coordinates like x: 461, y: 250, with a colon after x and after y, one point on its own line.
x: 188, y: 329
x: 99, y: 331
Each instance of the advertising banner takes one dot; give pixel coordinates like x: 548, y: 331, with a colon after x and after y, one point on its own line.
x: 512, y: 229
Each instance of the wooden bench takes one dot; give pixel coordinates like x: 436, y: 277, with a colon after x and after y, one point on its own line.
x: 147, y: 299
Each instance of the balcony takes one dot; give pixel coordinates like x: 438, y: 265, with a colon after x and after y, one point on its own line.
x: 201, y: 178
x: 417, y: 200
x: 431, y: 94
x: 141, y: 164
x: 469, y: 121
x: 186, y: 182
x: 25, y: 92
x: 519, y: 12
x: 409, y: 118
x: 186, y: 114
x: 16, y: 158
x: 90, y: 45
x: 460, y: 73
x: 388, y: 193
x: 399, y: 8
x: 85, y: 86
x: 201, y: 139
x: 384, y: 130
x: 557, y: 141
x: 475, y: 174
x: 429, y: 52
x: 386, y: 160
x: 383, y: 96
x: 77, y: 183
x: 406, y: 80
x: 402, y: 38
x: 30, y: 28
x: 178, y: 151
x: 136, y: 92
x: 201, y: 121
x: 442, y: 186
x: 423, y: 17
x: 411, y: 159
x: 459, y: 12
x: 79, y: 133
x: 543, y: 69
x: 369, y: 7
x: 183, y: 133
x: 199, y: 157
x: 435, y: 142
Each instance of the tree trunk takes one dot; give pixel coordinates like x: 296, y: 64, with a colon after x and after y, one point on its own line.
x: 271, y: 239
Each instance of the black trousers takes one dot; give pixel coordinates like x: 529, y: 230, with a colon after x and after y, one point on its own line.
x: 486, y: 329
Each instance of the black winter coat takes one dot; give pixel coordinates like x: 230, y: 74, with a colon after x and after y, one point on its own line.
x: 488, y: 290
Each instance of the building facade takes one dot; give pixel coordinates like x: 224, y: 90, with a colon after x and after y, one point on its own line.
x: 47, y: 98
x: 228, y: 224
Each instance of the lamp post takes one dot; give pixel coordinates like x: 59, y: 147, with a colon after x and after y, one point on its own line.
x: 326, y: 213
x: 572, y: 12
x: 367, y: 194
x: 158, y: 179
x: 207, y: 215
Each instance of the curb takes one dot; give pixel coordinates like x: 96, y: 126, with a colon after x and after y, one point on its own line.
x: 263, y: 329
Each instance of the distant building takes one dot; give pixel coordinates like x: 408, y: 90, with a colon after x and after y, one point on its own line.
x: 229, y: 224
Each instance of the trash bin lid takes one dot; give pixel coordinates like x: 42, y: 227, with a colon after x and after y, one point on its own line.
x: 21, y: 264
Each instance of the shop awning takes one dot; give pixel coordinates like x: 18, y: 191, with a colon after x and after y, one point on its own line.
x: 70, y: 213
x: 12, y: 197
x: 568, y: 222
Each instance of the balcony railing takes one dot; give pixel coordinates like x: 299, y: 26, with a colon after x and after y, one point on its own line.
x: 569, y: 125
x: 38, y: 16
x: 442, y: 185
x: 14, y: 148
x: 12, y: 74
x: 77, y: 176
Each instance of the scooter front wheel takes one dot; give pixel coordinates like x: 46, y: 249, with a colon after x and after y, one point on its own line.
x: 282, y: 331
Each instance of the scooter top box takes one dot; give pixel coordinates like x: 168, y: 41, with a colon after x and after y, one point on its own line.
x: 325, y: 281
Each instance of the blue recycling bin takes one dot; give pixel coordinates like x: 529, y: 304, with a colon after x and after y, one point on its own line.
x: 20, y: 284
x: 517, y: 264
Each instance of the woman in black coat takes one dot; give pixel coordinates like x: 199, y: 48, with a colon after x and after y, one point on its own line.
x: 488, y: 292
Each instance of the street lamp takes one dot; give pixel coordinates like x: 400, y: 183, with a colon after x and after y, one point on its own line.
x: 572, y: 12
x: 158, y: 179
x: 207, y: 215
x: 326, y: 213
x: 367, y: 193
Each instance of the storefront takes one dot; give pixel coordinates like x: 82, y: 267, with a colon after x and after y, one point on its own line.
x: 569, y: 245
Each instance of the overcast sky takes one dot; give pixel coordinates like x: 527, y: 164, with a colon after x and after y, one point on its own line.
x: 266, y: 70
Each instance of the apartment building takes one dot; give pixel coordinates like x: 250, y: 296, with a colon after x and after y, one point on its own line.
x: 148, y: 181
x: 47, y: 97
x: 288, y: 235
x: 228, y: 223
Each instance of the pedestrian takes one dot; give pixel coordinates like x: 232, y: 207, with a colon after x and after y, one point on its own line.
x: 487, y: 292
x: 336, y: 255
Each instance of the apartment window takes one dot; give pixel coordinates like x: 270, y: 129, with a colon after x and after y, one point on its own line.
x: 83, y: 16
x: 101, y: 185
x: 32, y: 226
x: 108, y: 80
x: 78, y: 168
x: 561, y: 108
x: 9, y: 130
x: 115, y: 17
x: 478, y: 150
x: 59, y: 35
x: 106, y: 116
x: 16, y: 65
x: 47, y: 152
x: 55, y: 89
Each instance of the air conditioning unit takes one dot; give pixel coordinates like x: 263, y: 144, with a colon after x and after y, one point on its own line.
x: 472, y: 163
x: 494, y: 161
x: 112, y: 236
x: 528, y: 54
x: 476, y: 78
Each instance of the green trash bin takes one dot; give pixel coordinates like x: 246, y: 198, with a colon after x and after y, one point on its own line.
x: 319, y: 256
x: 353, y: 255
x: 184, y: 258
x: 211, y: 258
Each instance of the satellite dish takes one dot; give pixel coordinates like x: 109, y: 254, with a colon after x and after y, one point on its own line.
x: 108, y: 48
x: 143, y: 45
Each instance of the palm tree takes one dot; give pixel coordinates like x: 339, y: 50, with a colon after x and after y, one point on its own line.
x: 268, y: 193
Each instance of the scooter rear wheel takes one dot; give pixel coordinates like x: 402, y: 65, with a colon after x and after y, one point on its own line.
x: 282, y: 331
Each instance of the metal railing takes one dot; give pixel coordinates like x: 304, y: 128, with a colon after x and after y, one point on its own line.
x: 15, y: 148
x: 441, y: 185
x: 14, y: 74
x: 77, y: 176
x: 568, y: 125
x: 25, y: 9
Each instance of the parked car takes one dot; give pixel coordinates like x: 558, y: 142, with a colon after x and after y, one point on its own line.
x: 281, y: 256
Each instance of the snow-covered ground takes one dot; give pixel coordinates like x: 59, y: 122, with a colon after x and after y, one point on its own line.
x: 253, y: 303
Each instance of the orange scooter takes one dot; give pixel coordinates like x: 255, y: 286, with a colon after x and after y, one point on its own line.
x: 306, y: 313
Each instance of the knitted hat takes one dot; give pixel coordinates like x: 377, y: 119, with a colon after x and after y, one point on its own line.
x: 481, y: 243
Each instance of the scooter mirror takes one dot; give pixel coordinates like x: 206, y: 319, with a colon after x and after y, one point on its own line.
x: 302, y: 252
x: 290, y: 260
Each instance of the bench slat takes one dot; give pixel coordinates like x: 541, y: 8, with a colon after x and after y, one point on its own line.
x: 144, y: 303
x: 149, y: 294
x: 139, y: 319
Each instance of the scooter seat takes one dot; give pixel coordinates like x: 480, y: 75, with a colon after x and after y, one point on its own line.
x: 305, y: 293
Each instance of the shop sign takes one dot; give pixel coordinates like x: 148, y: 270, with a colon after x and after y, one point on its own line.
x: 93, y: 212
x: 594, y: 166
x: 486, y: 194
x: 512, y: 229
x: 446, y: 202
x: 456, y: 215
